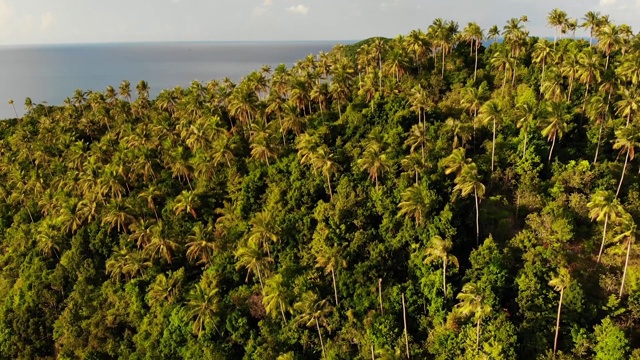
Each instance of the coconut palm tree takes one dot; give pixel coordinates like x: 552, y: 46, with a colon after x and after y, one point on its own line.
x: 589, y: 71
x: 542, y: 53
x: 592, y: 22
x: 417, y: 138
x: 627, y: 231
x: 608, y: 40
x: 472, y: 302
x: 597, y: 112
x: 627, y: 139
x: 160, y: 244
x: 324, y: 162
x: 559, y: 282
x: 493, y: 33
x: 187, y: 201
x: 200, y: 246
x: 526, y: 113
x: 438, y: 250
x: 329, y: 259
x: 202, y: 306
x: 374, y: 161
x: 14, y: 107
x: 604, y: 207
x: 276, y: 297
x: 263, y: 230
x: 628, y: 103
x: 491, y: 113
x: 555, y: 123
x: 556, y: 19
x: 467, y: 182
x: 416, y: 203
x: 313, y: 311
x: 455, y: 162
x: 249, y: 255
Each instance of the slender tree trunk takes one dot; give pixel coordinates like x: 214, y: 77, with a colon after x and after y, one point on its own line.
x: 444, y: 278
x: 584, y: 101
x: 504, y: 81
x: 626, y: 265
x: 260, y: 278
x: 282, y: 312
x: 475, y: 190
x: 555, y: 341
x: 628, y: 118
x: 478, y: 334
x: 553, y: 144
x: 320, y: 336
x: 493, y: 145
x: 373, y: 353
x: 330, y: 190
x: 475, y: 69
x: 604, y: 237
x: 595, y: 158
x: 607, y: 64
x: 406, y: 335
x: 624, y: 169
x: 570, y: 88
x: 335, y: 290
x: 442, y: 63
x: 524, y: 151
x: 543, y: 63
x: 284, y: 141
x: 14, y: 110
x: 380, y: 295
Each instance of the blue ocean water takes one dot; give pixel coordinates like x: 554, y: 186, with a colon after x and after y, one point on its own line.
x: 52, y: 73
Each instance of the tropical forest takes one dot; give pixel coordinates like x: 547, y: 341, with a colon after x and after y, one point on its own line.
x: 451, y: 193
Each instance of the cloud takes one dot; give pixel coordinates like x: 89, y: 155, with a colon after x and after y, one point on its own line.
x: 298, y: 9
x: 607, y: 2
x: 47, y: 20
x: 267, y: 3
x: 6, y: 13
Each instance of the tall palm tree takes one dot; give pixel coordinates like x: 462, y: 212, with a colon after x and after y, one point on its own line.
x: 276, y: 297
x: 14, y: 107
x: 125, y: 90
x: 503, y: 62
x: 263, y: 230
x: 627, y: 139
x: 438, y: 250
x: 559, y: 282
x: 474, y: 34
x: 542, y: 53
x: 374, y: 161
x: 329, y: 259
x: 161, y: 244
x: 250, y: 256
x: 473, y: 303
x: 202, y: 306
x: 526, y: 113
x: 200, y: 246
x: 313, y: 312
x: 491, y: 113
x: 628, y: 104
x: 467, y: 182
x: 589, y: 71
x: 187, y: 201
x: 604, y: 207
x: 591, y: 22
x: 417, y: 138
x: 493, y: 33
x: 324, y: 162
x: 416, y: 202
x: 597, y: 112
x: 556, y: 19
x: 455, y: 162
x: 555, y: 123
x: 608, y: 40
x: 627, y: 231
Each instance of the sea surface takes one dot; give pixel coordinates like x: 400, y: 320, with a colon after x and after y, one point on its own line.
x: 53, y: 72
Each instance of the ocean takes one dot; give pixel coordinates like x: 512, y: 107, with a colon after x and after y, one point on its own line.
x: 53, y: 72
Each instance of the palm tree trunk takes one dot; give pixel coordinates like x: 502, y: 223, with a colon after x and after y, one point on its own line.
x: 373, y: 353
x: 555, y: 341
x: 475, y: 190
x: 444, y: 278
x: 493, y: 145
x: 335, y: 290
x: 604, y: 237
x: 442, y: 63
x: 282, y: 312
x: 624, y: 169
x: 478, y: 334
x: 595, y: 158
x: 543, y: 63
x: 330, y: 190
x: 260, y: 278
x: 524, y: 151
x: 584, y: 101
x: 475, y: 69
x: 504, y: 81
x: 626, y: 265
x: 553, y: 144
x: 570, y: 88
x: 380, y: 295
x: 320, y: 336
x: 406, y: 335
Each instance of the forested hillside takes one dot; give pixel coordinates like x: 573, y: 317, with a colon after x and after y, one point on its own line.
x: 421, y: 196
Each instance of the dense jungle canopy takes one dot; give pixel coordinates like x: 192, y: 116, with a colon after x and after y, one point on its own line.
x: 424, y: 196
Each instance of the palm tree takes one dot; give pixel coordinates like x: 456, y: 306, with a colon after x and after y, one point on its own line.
x: 604, y: 207
x: 455, y: 162
x: 251, y: 257
x: 468, y: 181
x: 526, y: 114
x: 559, y: 282
x: 556, y: 123
x: 491, y: 112
x: 324, y: 162
x: 493, y: 33
x: 589, y: 65
x: 263, y: 230
x: 329, y: 259
x: 276, y: 297
x: 627, y: 139
x: 438, y: 250
x: 202, y: 306
x: 542, y: 53
x: 628, y: 103
x: 474, y: 35
x: 313, y: 312
x: 597, y: 111
x: 161, y: 244
x: 628, y: 230
x: 591, y: 22
x: 608, y: 40
x: 187, y: 201
x: 125, y: 90
x: 556, y: 19
x: 374, y: 161
x: 416, y: 202
x: 166, y: 289
x: 200, y: 247
x: 14, y: 107
x: 413, y: 166
x: 417, y: 138
x: 473, y: 303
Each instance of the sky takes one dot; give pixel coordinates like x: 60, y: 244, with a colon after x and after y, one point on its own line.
x: 99, y: 21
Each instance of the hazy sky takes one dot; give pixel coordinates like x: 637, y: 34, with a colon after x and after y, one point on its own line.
x: 82, y: 21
